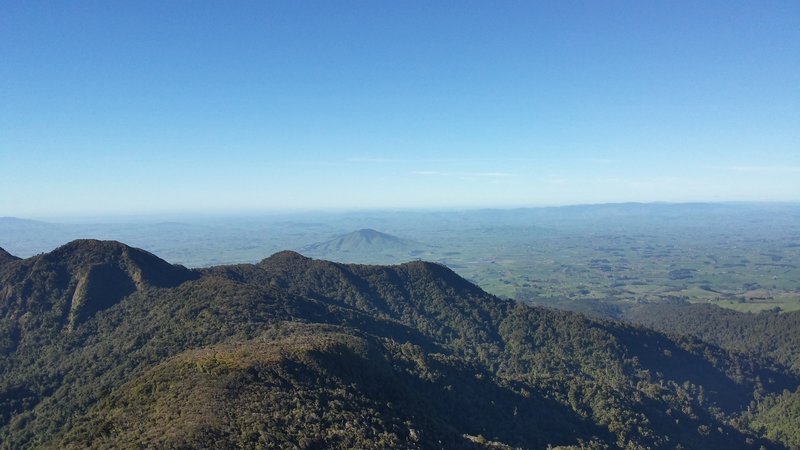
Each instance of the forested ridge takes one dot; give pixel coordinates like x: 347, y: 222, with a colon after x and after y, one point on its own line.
x: 770, y: 333
x: 774, y: 335
x: 103, y: 345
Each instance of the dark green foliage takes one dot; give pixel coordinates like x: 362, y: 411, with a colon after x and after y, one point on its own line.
x: 299, y: 353
x: 310, y: 386
x: 769, y: 333
x: 777, y: 417
x: 6, y: 257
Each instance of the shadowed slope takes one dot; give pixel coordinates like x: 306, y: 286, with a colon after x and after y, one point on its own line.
x: 6, y: 257
x: 78, y: 279
x: 776, y: 335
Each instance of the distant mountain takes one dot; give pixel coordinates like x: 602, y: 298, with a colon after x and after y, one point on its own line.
x: 16, y: 221
x: 365, y: 245
x: 107, y: 346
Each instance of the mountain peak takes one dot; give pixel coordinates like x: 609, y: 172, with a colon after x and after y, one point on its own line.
x: 90, y: 247
x: 436, y: 271
x: 369, y: 232
x: 144, y: 267
x: 94, y: 275
x: 366, y: 241
x: 285, y: 257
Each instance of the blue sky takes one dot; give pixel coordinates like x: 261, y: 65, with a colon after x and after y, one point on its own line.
x: 190, y: 106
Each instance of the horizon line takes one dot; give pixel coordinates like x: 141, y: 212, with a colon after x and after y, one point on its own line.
x: 256, y: 213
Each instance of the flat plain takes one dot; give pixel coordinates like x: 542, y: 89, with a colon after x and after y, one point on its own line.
x: 596, y: 258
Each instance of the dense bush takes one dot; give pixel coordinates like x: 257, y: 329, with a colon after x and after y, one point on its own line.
x: 300, y: 353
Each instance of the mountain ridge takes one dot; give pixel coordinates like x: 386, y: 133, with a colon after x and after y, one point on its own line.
x: 725, y: 327
x: 83, y: 277
x: 6, y: 257
x: 307, y: 353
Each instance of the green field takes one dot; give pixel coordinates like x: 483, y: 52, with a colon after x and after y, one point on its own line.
x: 740, y: 256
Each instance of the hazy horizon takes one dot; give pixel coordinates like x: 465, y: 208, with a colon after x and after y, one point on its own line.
x: 176, y: 108
x: 167, y: 216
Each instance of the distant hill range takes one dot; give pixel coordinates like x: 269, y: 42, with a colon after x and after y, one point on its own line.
x: 367, y: 246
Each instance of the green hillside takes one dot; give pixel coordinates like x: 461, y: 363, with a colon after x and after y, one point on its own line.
x: 768, y: 333
x: 294, y: 352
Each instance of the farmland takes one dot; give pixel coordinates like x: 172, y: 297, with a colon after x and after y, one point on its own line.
x: 593, y: 258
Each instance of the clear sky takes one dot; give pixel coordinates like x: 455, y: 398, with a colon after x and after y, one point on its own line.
x: 111, y: 107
